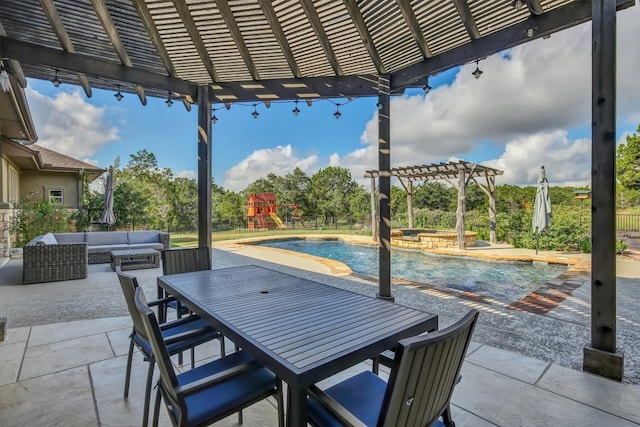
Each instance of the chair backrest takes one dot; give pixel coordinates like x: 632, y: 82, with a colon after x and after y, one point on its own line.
x: 160, y: 353
x: 186, y: 260
x: 129, y: 284
x: 424, y: 374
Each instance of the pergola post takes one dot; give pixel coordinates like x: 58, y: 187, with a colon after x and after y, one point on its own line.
x: 410, y: 202
x: 374, y: 211
x: 601, y: 356
x: 204, y: 167
x: 462, y: 186
x: 384, y: 166
x: 491, y: 183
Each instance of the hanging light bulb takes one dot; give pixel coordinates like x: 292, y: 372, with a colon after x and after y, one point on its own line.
x: 55, y: 81
x: 337, y: 114
x: 214, y: 119
x: 255, y: 113
x: 119, y: 95
x: 4, y: 78
x: 296, y: 111
x: 478, y: 72
x: 427, y: 88
x: 169, y: 102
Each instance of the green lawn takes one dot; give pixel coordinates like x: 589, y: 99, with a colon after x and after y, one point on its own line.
x: 179, y: 240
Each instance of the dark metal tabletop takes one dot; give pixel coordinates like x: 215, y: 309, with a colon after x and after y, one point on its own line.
x: 302, y: 330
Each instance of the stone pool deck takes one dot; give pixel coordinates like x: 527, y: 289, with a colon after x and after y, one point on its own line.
x: 66, y: 339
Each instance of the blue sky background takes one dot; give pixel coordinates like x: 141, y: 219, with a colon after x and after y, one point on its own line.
x: 531, y: 107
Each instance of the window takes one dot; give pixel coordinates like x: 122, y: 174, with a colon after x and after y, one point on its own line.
x: 13, y: 185
x: 56, y: 196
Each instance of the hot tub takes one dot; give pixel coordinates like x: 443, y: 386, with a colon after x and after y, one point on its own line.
x: 417, y: 238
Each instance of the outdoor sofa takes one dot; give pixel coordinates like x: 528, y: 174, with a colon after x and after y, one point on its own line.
x: 64, y: 256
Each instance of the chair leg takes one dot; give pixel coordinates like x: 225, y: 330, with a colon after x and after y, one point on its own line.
x: 375, y: 364
x: 156, y: 407
x: 446, y: 417
x: 280, y: 403
x: 193, y: 357
x: 223, y: 352
x: 147, y: 393
x: 240, y: 417
x: 127, y: 378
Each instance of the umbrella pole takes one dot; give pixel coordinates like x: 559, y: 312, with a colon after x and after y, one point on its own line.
x: 537, y: 242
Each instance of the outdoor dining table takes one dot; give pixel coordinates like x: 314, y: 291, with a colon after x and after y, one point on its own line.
x: 304, y: 331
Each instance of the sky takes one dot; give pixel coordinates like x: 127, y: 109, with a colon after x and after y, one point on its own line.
x: 530, y: 107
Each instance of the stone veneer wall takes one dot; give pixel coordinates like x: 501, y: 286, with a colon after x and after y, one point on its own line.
x: 5, y: 235
x: 432, y: 241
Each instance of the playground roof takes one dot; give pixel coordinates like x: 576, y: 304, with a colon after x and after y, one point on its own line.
x: 436, y: 171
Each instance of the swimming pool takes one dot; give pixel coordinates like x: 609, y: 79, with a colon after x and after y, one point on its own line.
x: 504, y: 281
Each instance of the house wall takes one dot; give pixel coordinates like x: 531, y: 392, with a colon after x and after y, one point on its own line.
x: 38, y: 184
x: 9, y: 195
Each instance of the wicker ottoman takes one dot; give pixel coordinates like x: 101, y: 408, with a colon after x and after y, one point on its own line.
x: 135, y: 259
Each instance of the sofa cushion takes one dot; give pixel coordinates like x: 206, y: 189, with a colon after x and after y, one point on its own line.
x: 70, y: 237
x: 100, y: 249
x: 47, y: 239
x: 143, y: 237
x: 157, y: 246
x: 103, y: 238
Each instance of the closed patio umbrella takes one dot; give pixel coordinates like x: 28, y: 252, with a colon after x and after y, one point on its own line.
x: 107, y: 216
x: 542, y: 207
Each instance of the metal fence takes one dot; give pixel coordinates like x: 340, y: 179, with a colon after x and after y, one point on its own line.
x: 628, y: 222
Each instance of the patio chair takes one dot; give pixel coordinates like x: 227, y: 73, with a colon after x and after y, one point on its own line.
x: 210, y: 392
x: 419, y: 390
x: 186, y: 260
x: 179, y: 335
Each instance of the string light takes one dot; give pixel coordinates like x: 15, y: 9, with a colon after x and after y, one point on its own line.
x: 427, y: 88
x: 337, y: 114
x: 478, y: 72
x: 169, y: 102
x: 119, y: 95
x: 255, y: 113
x: 55, y: 81
x: 296, y: 111
x: 214, y: 119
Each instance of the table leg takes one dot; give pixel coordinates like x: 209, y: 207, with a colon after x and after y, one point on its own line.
x: 297, y: 408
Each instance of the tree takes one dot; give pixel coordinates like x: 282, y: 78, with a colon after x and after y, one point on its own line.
x: 628, y: 167
x: 329, y: 189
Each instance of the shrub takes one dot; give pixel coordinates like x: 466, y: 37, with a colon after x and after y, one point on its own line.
x: 38, y: 217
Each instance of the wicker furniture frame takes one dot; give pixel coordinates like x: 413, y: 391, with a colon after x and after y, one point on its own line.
x: 50, y: 263
x: 135, y: 259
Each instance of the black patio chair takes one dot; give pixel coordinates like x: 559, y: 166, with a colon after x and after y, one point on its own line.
x: 186, y: 260
x: 421, y: 382
x: 179, y: 335
x: 210, y: 392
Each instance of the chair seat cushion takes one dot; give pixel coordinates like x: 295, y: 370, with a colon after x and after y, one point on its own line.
x: 213, y: 402
x: 361, y: 395
x: 185, y: 344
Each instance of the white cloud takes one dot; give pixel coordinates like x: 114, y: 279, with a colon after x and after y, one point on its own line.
x: 525, y: 101
x: 68, y: 124
x: 566, y: 162
x: 279, y: 160
x: 191, y: 174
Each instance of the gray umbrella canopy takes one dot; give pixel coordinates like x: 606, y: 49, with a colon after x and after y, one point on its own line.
x: 107, y: 216
x: 542, y: 207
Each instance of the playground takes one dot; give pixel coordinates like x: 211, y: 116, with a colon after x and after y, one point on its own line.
x: 264, y: 213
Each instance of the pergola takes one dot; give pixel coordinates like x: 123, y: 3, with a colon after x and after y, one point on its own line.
x: 461, y: 171
x: 225, y: 51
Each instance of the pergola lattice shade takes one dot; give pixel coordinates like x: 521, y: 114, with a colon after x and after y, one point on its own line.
x: 252, y: 50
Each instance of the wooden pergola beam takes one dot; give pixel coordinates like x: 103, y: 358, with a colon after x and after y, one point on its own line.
x: 236, y: 34
x: 57, y: 25
x: 318, y: 28
x: 467, y: 18
x: 362, y: 29
x: 414, y: 26
x: 276, y: 29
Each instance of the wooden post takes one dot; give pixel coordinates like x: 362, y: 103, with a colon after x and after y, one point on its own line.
x: 384, y: 182
x: 462, y: 185
x: 602, y: 357
x: 491, y: 183
x: 410, y: 202
x: 374, y: 213
x: 204, y: 167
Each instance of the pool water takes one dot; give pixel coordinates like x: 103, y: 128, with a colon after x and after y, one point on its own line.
x: 503, y: 280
